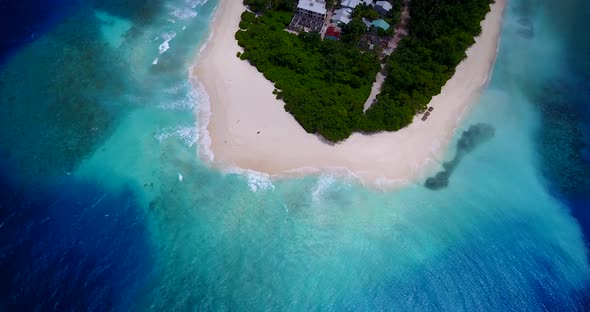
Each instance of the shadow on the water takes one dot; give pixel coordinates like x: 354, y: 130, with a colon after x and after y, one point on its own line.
x: 470, y: 139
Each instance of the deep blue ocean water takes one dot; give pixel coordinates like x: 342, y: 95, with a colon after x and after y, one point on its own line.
x: 97, y: 129
x: 23, y: 21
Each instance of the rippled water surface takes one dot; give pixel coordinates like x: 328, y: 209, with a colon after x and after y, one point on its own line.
x: 106, y: 206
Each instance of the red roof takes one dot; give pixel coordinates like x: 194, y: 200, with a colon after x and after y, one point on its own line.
x: 333, y: 31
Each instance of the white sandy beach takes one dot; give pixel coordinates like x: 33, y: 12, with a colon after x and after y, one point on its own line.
x: 250, y: 129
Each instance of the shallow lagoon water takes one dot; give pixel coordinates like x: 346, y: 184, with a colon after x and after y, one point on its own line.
x: 98, y: 127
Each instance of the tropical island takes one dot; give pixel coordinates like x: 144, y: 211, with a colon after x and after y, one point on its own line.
x: 243, y: 127
x: 323, y: 57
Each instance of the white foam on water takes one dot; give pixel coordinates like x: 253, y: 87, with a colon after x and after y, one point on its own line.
x: 323, y: 184
x: 165, y: 46
x: 203, y: 110
x: 193, y: 3
x: 183, y: 13
x: 338, y: 173
x: 203, y: 106
x: 258, y: 181
x: 185, y: 104
x: 189, y: 135
x: 177, y: 88
x: 192, y: 98
x: 180, y: 177
x: 155, y: 61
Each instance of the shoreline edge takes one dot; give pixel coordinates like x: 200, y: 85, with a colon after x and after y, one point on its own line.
x: 244, y: 128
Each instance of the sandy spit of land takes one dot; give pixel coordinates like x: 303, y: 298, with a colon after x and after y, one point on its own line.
x: 249, y: 129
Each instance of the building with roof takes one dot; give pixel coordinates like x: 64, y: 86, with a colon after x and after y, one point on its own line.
x: 310, y: 15
x: 383, y: 7
x: 312, y: 7
x: 380, y: 24
x: 333, y: 33
x: 350, y: 3
x: 354, y: 3
x: 342, y: 15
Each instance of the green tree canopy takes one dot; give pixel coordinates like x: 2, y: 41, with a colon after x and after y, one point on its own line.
x: 324, y: 84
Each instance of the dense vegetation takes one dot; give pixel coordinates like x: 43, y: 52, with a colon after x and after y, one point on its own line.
x: 261, y: 6
x: 440, y: 33
x: 371, y: 13
x: 325, y: 83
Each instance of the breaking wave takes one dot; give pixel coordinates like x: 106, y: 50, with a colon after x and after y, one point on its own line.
x: 189, y: 135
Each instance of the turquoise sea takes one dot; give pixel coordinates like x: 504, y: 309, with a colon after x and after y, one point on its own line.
x: 105, y: 205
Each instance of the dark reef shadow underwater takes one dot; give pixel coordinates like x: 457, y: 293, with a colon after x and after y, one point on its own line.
x: 64, y: 245
x: 470, y: 139
x: 563, y: 142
